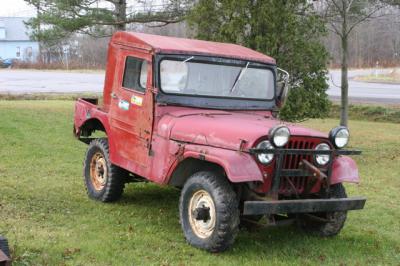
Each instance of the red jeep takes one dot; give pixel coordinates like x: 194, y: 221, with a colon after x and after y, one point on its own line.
x: 201, y: 116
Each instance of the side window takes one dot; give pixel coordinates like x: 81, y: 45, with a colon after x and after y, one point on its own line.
x: 143, y: 75
x: 135, y: 74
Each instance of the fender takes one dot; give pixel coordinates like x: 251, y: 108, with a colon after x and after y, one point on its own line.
x: 85, y: 112
x: 344, y: 169
x: 238, y: 166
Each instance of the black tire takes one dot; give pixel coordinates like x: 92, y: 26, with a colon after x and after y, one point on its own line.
x: 4, y: 246
x: 226, y: 215
x: 336, y: 219
x: 114, y: 177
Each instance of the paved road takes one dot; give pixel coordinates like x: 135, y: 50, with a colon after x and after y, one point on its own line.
x: 364, y: 91
x: 34, y: 81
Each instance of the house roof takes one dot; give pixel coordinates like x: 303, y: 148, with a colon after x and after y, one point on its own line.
x: 15, y: 28
x: 164, y: 44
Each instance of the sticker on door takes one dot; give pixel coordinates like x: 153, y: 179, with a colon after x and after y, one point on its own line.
x: 136, y: 100
x: 124, y: 105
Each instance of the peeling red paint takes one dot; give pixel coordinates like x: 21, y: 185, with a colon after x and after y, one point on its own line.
x: 151, y: 140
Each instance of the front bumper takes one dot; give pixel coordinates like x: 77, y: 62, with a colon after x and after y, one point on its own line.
x: 303, y: 206
x: 305, y: 167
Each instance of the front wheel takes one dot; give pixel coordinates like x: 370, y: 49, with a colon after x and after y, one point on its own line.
x: 334, y: 221
x: 209, y: 212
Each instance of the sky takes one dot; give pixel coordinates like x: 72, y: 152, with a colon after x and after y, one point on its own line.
x: 15, y: 8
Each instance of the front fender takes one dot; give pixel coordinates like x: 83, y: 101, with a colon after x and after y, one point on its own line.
x: 344, y: 169
x: 238, y: 166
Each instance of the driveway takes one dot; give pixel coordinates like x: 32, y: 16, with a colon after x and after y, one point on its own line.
x: 35, y: 81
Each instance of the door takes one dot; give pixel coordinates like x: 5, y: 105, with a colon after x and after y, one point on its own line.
x: 131, y: 110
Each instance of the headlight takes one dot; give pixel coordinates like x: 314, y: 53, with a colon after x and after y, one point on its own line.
x: 339, y: 136
x: 265, y: 158
x: 322, y: 159
x: 279, y: 136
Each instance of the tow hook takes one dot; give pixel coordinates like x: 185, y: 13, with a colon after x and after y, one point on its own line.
x: 316, y: 175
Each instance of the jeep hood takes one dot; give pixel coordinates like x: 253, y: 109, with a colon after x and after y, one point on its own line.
x: 225, y: 129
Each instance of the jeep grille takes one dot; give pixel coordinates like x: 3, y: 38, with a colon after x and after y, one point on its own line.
x: 292, y: 162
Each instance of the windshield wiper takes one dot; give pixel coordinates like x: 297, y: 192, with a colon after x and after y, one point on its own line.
x: 239, y: 76
x: 188, y: 59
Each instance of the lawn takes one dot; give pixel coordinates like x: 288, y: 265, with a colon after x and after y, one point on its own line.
x: 49, y: 220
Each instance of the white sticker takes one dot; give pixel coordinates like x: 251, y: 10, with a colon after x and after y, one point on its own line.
x: 124, y: 105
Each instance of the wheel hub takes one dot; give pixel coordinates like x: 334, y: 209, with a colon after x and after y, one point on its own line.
x: 202, y: 214
x: 98, y: 171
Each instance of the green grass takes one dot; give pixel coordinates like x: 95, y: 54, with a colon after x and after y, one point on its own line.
x: 369, y: 113
x: 45, y: 213
x: 47, y: 96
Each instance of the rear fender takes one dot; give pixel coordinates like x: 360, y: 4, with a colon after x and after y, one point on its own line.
x: 87, y: 113
x: 238, y: 166
x: 87, y: 116
x: 344, y: 169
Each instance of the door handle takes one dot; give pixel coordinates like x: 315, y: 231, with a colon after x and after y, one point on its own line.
x: 113, y: 95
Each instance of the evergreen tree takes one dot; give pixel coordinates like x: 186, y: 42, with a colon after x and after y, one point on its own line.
x: 59, y: 19
x: 288, y: 30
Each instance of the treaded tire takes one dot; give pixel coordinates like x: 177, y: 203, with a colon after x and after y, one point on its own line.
x: 226, y: 211
x: 337, y: 219
x: 115, y: 176
x: 4, y: 246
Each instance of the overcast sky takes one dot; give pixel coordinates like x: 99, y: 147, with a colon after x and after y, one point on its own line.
x: 15, y: 8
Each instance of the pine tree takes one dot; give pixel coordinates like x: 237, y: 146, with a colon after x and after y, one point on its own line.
x: 59, y: 19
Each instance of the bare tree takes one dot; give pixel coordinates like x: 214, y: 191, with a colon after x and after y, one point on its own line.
x: 376, y: 40
x: 343, y: 16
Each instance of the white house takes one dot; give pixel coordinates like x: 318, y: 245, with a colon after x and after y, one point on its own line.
x: 15, y: 41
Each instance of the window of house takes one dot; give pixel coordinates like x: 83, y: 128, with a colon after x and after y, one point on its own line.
x: 2, y: 33
x: 135, y: 74
x: 18, y: 53
x: 2, y: 30
x: 29, y: 52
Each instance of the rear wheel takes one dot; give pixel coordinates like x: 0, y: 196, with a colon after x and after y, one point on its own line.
x: 334, y: 221
x: 104, y: 181
x: 4, y: 246
x: 209, y: 212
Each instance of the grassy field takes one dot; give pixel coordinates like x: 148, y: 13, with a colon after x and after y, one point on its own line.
x: 374, y: 113
x: 49, y: 220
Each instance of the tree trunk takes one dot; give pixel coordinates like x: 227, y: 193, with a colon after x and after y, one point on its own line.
x: 344, y: 85
x: 120, y: 11
x: 344, y: 110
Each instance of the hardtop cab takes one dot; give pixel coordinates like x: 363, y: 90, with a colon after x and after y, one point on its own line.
x: 199, y: 115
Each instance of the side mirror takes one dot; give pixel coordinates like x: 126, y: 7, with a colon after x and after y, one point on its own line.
x: 282, y: 86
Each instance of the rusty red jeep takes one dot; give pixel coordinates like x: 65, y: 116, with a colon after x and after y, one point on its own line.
x: 202, y: 116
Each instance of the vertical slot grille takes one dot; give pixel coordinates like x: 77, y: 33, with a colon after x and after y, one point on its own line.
x: 291, y: 161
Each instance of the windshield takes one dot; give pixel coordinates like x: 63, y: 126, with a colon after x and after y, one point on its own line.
x: 211, y: 79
